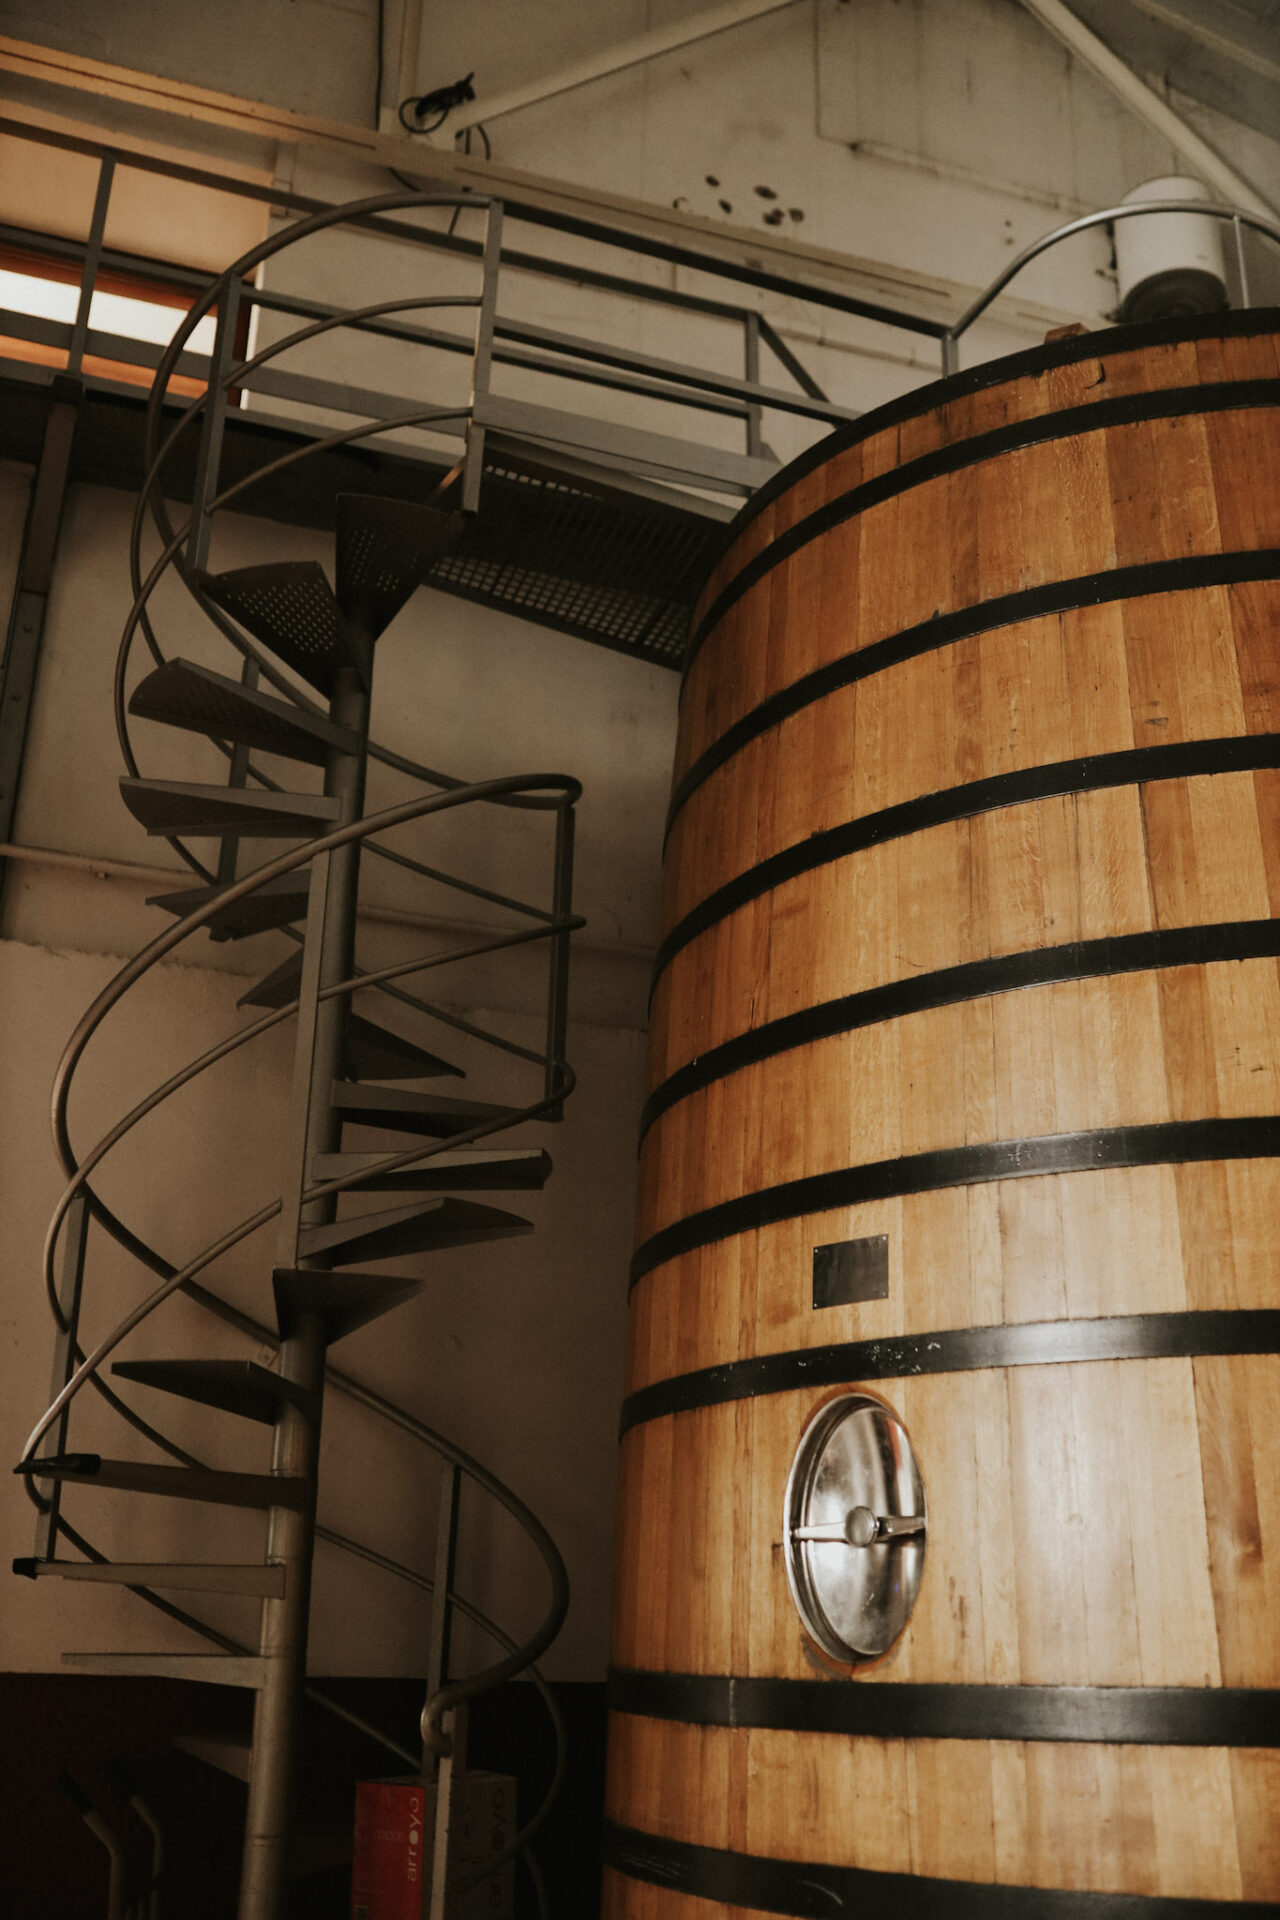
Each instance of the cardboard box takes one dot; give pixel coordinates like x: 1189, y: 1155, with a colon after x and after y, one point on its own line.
x: 394, y: 1835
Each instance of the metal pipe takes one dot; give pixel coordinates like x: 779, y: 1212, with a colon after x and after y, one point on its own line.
x: 1241, y: 266
x: 315, y: 1127
x: 282, y: 1644
x: 67, y: 1318
x: 103, y: 1831
x: 558, y: 959
x: 149, y: 1904
x: 482, y: 359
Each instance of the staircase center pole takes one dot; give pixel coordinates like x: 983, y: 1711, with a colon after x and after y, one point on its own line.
x: 291, y: 1533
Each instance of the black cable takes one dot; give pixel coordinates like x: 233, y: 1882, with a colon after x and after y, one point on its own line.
x: 440, y: 101
x: 416, y: 104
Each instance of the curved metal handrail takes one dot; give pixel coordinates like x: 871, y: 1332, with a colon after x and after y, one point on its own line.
x: 542, y: 792
x: 520, y: 1657
x: 1131, y: 209
x: 163, y: 944
x: 275, y: 243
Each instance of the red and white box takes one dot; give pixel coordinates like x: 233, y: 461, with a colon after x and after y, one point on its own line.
x: 394, y: 1836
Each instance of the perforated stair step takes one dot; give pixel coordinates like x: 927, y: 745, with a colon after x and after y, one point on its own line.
x: 177, y: 1483
x: 344, y: 1301
x: 278, y: 903
x: 290, y: 607
x: 472, y: 1169
x: 383, y: 550
x: 267, y: 1582
x: 181, y: 694
x: 233, y: 1386
x: 422, y: 1227
x: 177, y: 806
x: 405, y: 1112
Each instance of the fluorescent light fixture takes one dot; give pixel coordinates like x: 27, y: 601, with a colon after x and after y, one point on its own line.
x: 118, y: 313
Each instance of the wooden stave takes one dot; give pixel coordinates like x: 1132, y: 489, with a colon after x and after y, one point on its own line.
x: 844, y: 733
x: 1006, y: 1600
x: 936, y: 422
x: 1201, y: 1258
x: 1239, y: 345
x: 709, y: 1636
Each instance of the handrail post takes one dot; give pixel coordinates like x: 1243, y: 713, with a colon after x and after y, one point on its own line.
x: 92, y: 260
x: 751, y: 372
x: 482, y: 362
x: 237, y: 776
x: 438, y: 1647
x: 1241, y: 267
x: 436, y: 1890
x: 70, y: 1288
x: 950, y: 355
x: 209, y: 459
x: 558, y: 964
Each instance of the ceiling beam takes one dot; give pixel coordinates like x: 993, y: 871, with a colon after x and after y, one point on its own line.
x: 615, y: 59
x: 1206, y: 162
x: 763, y: 250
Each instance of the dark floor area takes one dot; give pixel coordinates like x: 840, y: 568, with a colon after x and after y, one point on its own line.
x: 89, y: 1727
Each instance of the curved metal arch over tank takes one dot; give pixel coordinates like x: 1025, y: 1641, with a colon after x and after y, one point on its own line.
x: 966, y: 1106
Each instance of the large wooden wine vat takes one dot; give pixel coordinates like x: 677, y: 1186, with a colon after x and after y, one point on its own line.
x: 969, y: 983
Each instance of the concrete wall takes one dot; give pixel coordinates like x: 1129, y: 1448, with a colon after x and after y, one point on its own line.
x: 935, y: 136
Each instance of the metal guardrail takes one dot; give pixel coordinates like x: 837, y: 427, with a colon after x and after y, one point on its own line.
x: 185, y: 547
x: 506, y: 341
x: 500, y: 340
x: 1237, y: 217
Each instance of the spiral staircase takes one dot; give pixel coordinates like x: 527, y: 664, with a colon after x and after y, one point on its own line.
x: 304, y: 638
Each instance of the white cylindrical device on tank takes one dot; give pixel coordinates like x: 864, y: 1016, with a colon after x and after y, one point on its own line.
x: 1169, y: 263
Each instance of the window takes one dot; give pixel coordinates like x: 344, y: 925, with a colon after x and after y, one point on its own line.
x: 45, y: 290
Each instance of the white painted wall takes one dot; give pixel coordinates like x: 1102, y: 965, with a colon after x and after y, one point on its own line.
x: 935, y: 136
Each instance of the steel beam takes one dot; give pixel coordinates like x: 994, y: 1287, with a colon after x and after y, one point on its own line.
x: 615, y: 59
x: 1147, y: 104
x: 31, y: 596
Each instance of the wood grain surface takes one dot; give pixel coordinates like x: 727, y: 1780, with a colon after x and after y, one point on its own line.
x: 1105, y: 1524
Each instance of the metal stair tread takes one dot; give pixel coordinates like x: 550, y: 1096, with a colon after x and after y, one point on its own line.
x: 488, y: 1168
x: 277, y: 903
x: 374, y: 1052
x: 207, y: 1576
x: 279, y: 988
x: 182, y: 806
x: 182, y: 694
x: 179, y: 1483
x: 383, y: 550
x: 290, y: 607
x: 344, y: 1300
x: 233, y: 1386
x: 416, y: 1228
x: 212, y: 1669
x: 406, y: 1112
